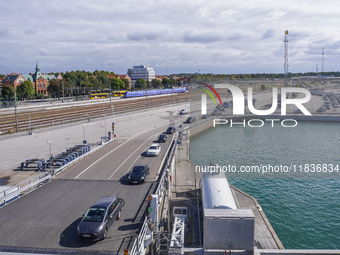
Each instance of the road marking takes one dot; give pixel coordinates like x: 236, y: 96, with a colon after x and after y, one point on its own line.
x: 129, y: 157
x: 108, y: 154
x: 137, y: 158
x: 116, y: 149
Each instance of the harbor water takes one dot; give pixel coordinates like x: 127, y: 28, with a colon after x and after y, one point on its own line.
x: 303, y: 205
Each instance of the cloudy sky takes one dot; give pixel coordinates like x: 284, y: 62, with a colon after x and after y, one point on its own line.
x: 216, y: 36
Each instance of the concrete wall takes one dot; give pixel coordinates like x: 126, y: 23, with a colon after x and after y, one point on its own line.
x: 200, y: 127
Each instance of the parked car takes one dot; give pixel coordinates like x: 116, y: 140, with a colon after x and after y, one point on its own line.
x: 204, y: 116
x: 321, y: 109
x: 183, y: 111
x: 190, y: 120
x: 154, y: 150
x: 226, y: 105
x: 171, y: 130
x: 97, y: 220
x: 162, y: 138
x: 138, y: 174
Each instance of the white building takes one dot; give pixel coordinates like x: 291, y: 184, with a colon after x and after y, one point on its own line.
x: 143, y: 71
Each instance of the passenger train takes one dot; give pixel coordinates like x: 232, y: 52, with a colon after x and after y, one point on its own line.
x: 153, y: 92
x: 128, y: 94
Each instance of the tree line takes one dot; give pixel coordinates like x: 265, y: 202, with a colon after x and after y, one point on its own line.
x: 84, y: 82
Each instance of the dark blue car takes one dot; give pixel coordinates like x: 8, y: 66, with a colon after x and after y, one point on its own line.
x: 95, y: 224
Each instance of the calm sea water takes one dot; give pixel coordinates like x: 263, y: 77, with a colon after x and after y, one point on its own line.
x: 304, y: 212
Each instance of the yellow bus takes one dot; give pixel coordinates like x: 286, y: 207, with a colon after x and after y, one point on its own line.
x: 118, y: 93
x: 99, y: 95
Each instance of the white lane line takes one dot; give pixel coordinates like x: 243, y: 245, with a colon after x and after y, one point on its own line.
x: 129, y: 157
x: 115, y: 149
x: 108, y: 154
x: 167, y: 151
x: 138, y: 157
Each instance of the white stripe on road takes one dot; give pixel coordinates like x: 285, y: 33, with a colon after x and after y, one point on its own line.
x: 129, y: 157
x: 114, y: 150
x: 108, y: 154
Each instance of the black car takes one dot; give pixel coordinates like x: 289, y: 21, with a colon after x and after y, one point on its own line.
x: 162, y: 138
x: 190, y: 120
x: 171, y: 130
x: 97, y: 220
x: 138, y: 174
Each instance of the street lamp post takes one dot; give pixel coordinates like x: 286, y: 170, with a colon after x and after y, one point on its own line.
x: 51, y: 155
x: 84, y: 141
x: 105, y: 125
x: 15, y: 110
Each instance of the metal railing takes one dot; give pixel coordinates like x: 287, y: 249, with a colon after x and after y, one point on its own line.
x: 14, y: 192
x: 139, y: 245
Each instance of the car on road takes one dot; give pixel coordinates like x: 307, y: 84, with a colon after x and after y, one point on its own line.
x: 321, y: 109
x: 95, y: 223
x: 138, y: 174
x: 190, y: 120
x: 183, y: 111
x: 227, y: 105
x: 162, y: 138
x: 204, y: 116
x: 154, y: 150
x: 171, y: 130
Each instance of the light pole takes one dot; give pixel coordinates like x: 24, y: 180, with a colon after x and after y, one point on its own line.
x: 84, y: 141
x: 51, y: 155
x: 50, y: 146
x: 15, y: 110
x: 105, y: 126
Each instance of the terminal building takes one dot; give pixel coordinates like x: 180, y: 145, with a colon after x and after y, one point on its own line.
x: 145, y: 72
x: 40, y: 81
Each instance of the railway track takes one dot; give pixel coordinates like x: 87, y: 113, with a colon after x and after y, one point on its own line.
x: 33, y: 118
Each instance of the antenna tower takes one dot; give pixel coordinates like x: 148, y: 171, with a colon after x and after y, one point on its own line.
x: 323, y: 53
x: 286, y: 54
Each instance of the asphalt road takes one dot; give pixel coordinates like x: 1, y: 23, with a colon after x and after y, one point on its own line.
x: 117, y: 159
x: 47, y: 218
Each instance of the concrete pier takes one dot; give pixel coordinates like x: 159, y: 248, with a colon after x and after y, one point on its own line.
x: 186, y: 192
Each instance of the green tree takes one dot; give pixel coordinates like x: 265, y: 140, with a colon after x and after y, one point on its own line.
x: 140, y: 84
x: 7, y: 92
x: 166, y: 83
x: 102, y: 78
x: 25, y: 90
x: 39, y: 96
x: 148, y: 84
x: 156, y: 83
x: 117, y: 84
x: 126, y: 84
x: 55, y: 88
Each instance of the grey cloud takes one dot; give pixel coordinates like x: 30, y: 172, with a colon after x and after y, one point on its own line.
x: 43, y: 52
x: 4, y: 32
x: 237, y: 37
x: 191, y: 37
x: 148, y: 36
x: 268, y: 34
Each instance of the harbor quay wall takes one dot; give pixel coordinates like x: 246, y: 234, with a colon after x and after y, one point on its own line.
x: 207, y: 124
